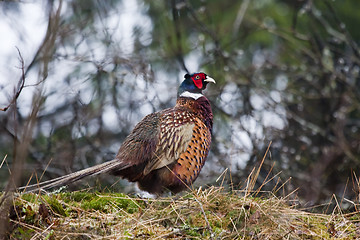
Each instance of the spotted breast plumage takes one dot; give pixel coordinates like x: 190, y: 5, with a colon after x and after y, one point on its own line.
x: 166, y: 150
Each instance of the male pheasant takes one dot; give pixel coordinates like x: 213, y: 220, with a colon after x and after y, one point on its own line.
x: 166, y: 150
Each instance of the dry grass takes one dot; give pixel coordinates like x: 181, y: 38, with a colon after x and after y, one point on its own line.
x: 213, y: 213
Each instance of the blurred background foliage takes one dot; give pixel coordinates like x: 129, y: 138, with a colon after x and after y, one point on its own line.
x: 287, y: 72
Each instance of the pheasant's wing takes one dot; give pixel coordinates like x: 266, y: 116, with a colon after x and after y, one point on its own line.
x: 139, y: 146
x: 157, y: 140
x: 175, y: 133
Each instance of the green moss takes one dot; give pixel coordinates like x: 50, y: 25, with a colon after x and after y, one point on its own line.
x: 191, y: 231
x: 30, y: 197
x: 96, y: 204
x: 101, y: 202
x: 55, y: 205
x: 76, y: 196
x: 128, y: 205
x: 30, y: 214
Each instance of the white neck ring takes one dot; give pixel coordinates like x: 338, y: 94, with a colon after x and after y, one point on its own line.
x: 195, y: 96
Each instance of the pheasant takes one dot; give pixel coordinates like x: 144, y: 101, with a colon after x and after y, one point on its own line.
x: 166, y: 150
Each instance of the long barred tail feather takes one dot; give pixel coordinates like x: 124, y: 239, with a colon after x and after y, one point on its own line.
x: 105, y: 167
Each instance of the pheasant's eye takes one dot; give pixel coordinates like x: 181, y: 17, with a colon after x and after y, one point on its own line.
x: 197, y: 77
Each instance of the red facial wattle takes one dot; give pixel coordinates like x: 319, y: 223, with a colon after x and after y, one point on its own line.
x: 198, y: 80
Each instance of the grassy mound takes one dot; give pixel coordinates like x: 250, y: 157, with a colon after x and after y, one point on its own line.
x: 214, y: 213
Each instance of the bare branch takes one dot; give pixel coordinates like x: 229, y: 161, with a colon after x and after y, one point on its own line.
x: 179, y: 50
x: 20, y: 84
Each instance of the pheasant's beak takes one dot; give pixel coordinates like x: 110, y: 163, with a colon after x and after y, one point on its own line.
x: 209, y: 79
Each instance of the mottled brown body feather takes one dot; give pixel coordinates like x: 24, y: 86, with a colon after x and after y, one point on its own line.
x: 167, y: 149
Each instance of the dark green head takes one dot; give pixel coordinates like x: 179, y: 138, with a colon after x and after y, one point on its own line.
x: 193, y: 85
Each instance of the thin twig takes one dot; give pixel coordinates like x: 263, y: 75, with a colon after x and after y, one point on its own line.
x: 2, y: 162
x: 206, y: 220
x: 20, y: 84
x: 239, y: 17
